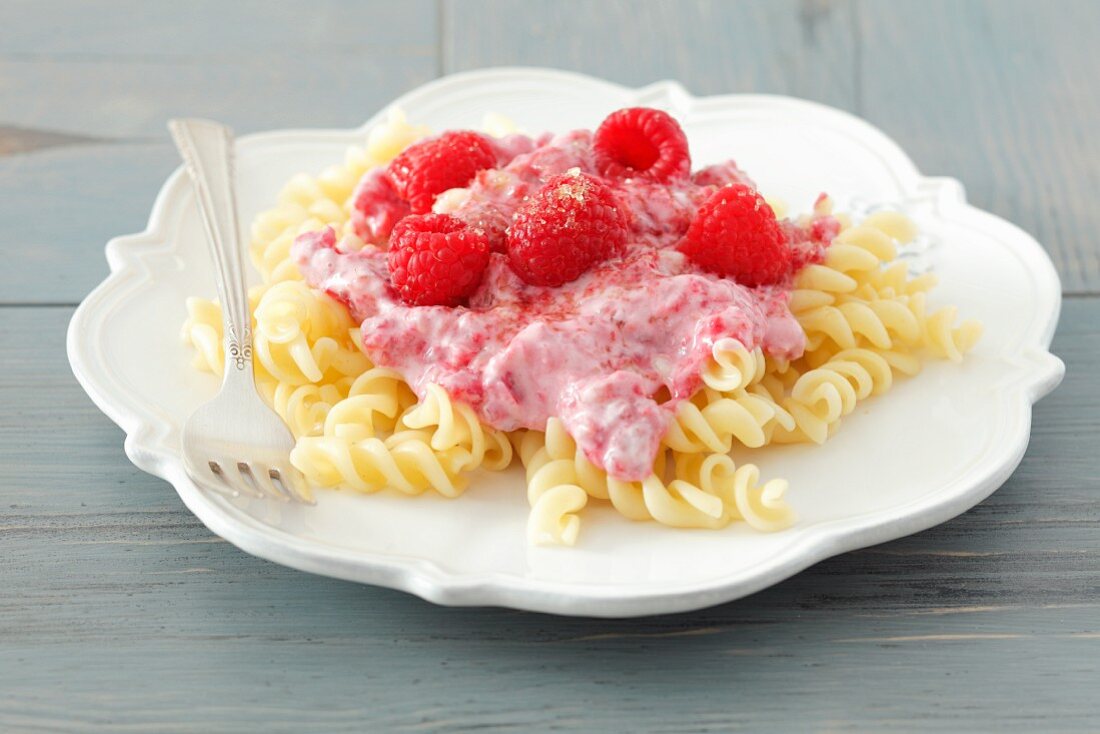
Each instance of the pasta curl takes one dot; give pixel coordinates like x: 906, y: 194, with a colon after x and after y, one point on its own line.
x: 455, y: 424
x: 709, y: 491
x: 302, y: 335
x: 732, y: 366
x: 304, y: 407
x: 373, y: 403
x: 822, y: 396
x: 405, y: 462
x: 711, y: 421
x: 743, y: 497
x: 536, y: 449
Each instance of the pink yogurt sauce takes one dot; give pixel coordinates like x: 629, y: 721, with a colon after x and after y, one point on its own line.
x: 593, y: 352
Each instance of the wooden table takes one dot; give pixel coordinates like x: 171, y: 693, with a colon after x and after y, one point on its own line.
x: 120, y: 611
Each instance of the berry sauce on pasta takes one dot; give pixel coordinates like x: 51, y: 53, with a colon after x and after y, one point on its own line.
x: 611, y: 353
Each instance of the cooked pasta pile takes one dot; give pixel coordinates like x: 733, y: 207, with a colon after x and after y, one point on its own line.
x: 359, y: 426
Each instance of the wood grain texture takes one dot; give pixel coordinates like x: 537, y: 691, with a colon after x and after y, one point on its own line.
x: 84, y: 68
x: 1004, y: 95
x: 804, y: 48
x: 61, y: 205
x: 119, y: 610
x: 212, y: 30
x: 20, y: 140
x: 127, y: 99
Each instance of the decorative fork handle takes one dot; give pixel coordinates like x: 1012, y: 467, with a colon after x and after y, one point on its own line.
x: 207, y: 151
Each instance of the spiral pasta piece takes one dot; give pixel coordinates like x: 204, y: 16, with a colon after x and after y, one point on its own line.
x: 305, y: 408
x: 386, y: 140
x: 709, y: 491
x: 894, y: 280
x: 711, y: 421
x: 822, y: 396
x: 556, y: 471
x: 553, y: 484
x: 555, y: 501
x: 203, y: 331
x: 371, y: 408
x: 405, y: 462
x: 306, y: 204
x: 455, y: 424
x: 743, y: 497
x: 678, y: 504
x: 301, y: 335
x: 553, y: 519
x: 732, y: 366
x: 948, y: 341
x: 536, y: 448
x: 845, y: 325
x: 940, y: 336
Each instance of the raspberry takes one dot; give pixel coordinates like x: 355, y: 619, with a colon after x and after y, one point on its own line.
x: 430, y: 167
x: 436, y: 260
x: 377, y: 207
x: 641, y: 142
x: 571, y: 223
x: 736, y: 235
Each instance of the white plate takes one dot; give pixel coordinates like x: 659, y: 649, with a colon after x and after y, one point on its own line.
x: 933, y: 447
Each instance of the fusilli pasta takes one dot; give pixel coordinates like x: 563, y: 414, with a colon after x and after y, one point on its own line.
x: 360, y: 426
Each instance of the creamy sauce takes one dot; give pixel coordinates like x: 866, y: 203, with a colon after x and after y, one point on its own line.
x: 593, y: 352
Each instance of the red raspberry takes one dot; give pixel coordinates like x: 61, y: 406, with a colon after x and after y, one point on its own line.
x: 736, y: 235
x: 573, y: 222
x: 377, y: 207
x: 641, y: 142
x: 436, y: 260
x: 428, y: 168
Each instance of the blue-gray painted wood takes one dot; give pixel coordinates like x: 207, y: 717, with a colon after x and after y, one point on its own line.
x: 122, y: 69
x: 213, y: 30
x: 117, y: 608
x: 786, y: 47
x: 60, y: 205
x: 121, y: 98
x: 119, y: 611
x: 1004, y: 95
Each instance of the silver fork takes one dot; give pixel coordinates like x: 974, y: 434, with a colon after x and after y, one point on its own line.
x: 234, y: 443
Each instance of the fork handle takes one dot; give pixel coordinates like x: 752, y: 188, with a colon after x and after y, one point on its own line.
x: 207, y: 151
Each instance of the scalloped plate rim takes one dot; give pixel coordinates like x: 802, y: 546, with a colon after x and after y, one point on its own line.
x: 426, y: 579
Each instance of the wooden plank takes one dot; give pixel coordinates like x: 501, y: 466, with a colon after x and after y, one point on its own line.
x: 215, y: 30
x: 124, y: 98
x: 1003, y: 94
x: 119, y: 610
x: 21, y: 140
x: 84, y: 70
x: 788, y: 47
x: 60, y: 206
